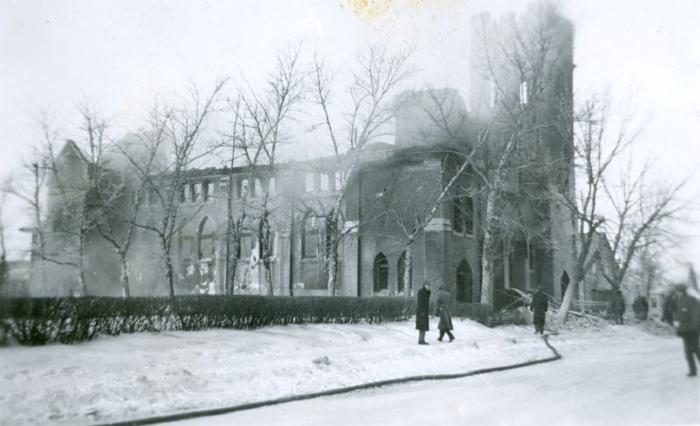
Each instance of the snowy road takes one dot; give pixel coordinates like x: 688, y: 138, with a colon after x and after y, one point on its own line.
x: 622, y: 383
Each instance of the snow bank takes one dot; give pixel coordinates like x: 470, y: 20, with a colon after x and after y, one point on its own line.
x: 140, y: 375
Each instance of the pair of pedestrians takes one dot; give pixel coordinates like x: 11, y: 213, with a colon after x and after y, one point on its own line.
x: 443, y: 308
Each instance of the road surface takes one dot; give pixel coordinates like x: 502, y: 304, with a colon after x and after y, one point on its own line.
x: 635, y: 382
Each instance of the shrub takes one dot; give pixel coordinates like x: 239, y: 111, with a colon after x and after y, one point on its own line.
x: 38, y: 321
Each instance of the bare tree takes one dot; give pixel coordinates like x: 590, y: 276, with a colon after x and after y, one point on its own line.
x: 117, y: 201
x: 178, y: 131
x: 28, y: 188
x: 366, y: 120
x: 455, y: 140
x: 235, y: 218
x: 411, y: 227
x: 259, y: 132
x: 638, y: 217
x: 67, y: 183
x: 647, y: 270
x: 518, y: 60
x: 642, y: 213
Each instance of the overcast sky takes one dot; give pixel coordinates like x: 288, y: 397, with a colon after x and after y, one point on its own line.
x: 645, y: 54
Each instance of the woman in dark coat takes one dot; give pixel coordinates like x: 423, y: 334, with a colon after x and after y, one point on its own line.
x: 423, y: 312
x: 443, y: 310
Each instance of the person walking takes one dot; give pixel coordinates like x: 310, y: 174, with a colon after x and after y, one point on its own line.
x: 539, y: 306
x: 423, y: 312
x: 443, y: 310
x: 688, y: 326
x: 617, y: 306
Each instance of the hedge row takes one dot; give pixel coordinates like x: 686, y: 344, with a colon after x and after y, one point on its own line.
x: 38, y: 321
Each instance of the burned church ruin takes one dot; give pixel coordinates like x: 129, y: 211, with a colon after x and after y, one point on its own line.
x: 413, y: 210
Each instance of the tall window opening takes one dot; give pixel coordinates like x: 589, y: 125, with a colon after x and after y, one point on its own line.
x: 464, y: 282
x: 311, y: 236
x: 401, y: 270
x: 381, y: 273
x: 462, y: 215
x: 523, y: 93
x: 206, y: 240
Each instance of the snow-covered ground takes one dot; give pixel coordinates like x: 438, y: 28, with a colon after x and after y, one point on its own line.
x: 622, y: 379
x: 140, y: 375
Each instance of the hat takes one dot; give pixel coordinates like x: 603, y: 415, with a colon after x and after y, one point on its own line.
x: 426, y: 283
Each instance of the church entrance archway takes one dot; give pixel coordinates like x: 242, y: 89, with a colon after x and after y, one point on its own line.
x: 464, y: 282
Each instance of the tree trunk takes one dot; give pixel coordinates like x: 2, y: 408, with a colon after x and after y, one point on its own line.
x: 486, y: 261
x: 168, y: 269
x: 332, y: 255
x: 82, y: 282
x: 268, y: 276
x: 528, y: 263
x: 233, y: 268
x: 408, y: 267
x: 81, y: 265
x: 568, y: 297
x: 125, y: 275
x: 582, y: 296
x: 332, y: 268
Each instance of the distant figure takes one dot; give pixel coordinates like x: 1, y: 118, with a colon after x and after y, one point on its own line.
x: 617, y: 306
x: 669, y: 307
x: 443, y: 310
x: 423, y: 312
x: 640, y: 306
x: 688, y: 326
x: 645, y: 308
x: 539, y: 306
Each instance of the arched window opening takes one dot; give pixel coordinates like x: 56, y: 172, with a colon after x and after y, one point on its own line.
x: 464, y: 282
x: 381, y: 273
x: 462, y: 215
x: 206, y: 240
x: 401, y: 270
x: 457, y: 218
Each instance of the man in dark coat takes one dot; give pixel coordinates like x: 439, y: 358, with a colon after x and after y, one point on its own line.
x: 617, y: 306
x: 443, y: 310
x: 539, y: 306
x: 688, y: 326
x: 423, y: 312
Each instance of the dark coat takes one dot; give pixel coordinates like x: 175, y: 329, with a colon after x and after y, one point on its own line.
x: 669, y: 307
x: 423, y: 309
x: 617, y: 304
x: 443, y: 309
x: 640, y: 307
x: 687, y: 314
x: 539, y: 304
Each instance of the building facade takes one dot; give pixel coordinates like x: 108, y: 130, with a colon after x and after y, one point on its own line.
x: 392, y: 187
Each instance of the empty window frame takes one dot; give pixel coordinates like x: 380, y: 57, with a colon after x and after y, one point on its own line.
x: 309, y: 182
x: 523, y: 93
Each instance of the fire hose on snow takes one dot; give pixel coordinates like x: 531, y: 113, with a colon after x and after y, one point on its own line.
x: 370, y: 385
